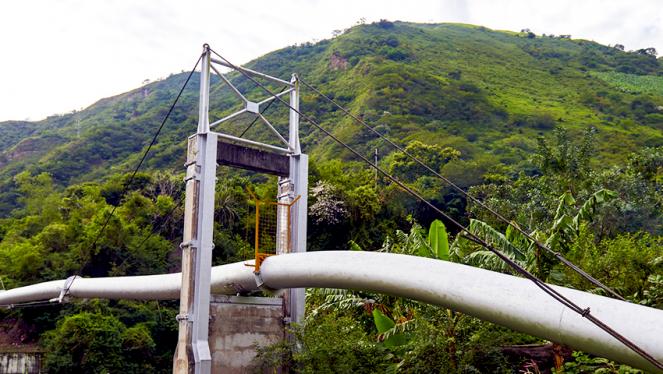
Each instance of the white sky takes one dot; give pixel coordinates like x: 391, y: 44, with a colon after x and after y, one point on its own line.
x: 57, y: 56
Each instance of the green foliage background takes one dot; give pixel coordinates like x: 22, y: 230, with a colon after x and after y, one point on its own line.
x: 534, y: 126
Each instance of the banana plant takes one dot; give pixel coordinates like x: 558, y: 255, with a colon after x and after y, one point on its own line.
x: 438, y: 241
x: 394, y: 319
x: 435, y: 245
x: 566, y: 226
x: 328, y: 299
x: 512, y: 244
x: 520, y: 249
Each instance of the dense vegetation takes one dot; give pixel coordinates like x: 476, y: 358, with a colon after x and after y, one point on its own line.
x: 563, y: 136
x: 488, y: 94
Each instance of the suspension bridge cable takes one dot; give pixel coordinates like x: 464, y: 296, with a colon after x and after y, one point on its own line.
x: 561, y: 258
x: 125, y: 189
x: 584, y: 312
x: 156, y: 228
x: 135, y: 171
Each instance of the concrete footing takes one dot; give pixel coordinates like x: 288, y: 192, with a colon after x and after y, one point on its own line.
x: 237, y: 325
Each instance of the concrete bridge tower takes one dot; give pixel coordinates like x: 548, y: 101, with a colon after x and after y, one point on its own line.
x: 237, y: 322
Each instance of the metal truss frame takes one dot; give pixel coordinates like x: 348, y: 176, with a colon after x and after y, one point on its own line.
x: 253, y: 107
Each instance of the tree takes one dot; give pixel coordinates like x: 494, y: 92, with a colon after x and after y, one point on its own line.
x: 566, y: 161
x: 647, y: 51
x: 649, y: 163
x: 432, y: 155
x: 85, y: 343
x: 455, y: 75
x: 385, y: 24
x: 37, y: 195
x: 97, y: 343
x: 328, y: 208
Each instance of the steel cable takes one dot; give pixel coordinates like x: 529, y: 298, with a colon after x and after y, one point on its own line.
x: 124, y: 191
x: 561, y: 258
x: 584, y: 312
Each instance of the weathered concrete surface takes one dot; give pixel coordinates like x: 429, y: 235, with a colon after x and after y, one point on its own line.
x: 237, y: 325
x: 243, y: 157
x: 20, y: 363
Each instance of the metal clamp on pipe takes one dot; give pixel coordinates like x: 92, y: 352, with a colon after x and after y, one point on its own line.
x: 258, y: 278
x: 65, y: 290
x: 260, y: 285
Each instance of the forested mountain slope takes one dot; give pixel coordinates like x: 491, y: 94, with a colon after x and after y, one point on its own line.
x: 562, y: 136
x: 486, y: 93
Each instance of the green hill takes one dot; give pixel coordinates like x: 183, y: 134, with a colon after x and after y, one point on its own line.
x: 487, y: 93
x: 563, y: 136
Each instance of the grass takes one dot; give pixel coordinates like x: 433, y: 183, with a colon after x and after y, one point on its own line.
x: 632, y: 83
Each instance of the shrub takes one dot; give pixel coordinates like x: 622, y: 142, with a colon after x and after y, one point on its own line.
x: 96, y: 343
x: 85, y: 343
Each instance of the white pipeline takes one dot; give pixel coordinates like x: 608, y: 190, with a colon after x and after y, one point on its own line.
x: 499, y: 298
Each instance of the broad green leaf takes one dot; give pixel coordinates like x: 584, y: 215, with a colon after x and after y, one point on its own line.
x: 382, y: 322
x: 385, y: 324
x: 515, y: 237
x: 354, y: 246
x: 566, y: 201
x: 438, y: 240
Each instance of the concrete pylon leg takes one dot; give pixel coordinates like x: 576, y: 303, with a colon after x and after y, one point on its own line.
x: 192, y: 354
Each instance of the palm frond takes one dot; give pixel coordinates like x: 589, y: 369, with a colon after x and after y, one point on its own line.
x: 496, y: 239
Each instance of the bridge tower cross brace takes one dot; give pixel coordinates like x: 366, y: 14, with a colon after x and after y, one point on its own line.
x: 205, y: 150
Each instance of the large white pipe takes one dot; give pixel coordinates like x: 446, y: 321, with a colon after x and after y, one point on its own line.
x: 226, y: 279
x: 503, y: 299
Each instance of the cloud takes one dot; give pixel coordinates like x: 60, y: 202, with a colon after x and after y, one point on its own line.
x: 59, y: 56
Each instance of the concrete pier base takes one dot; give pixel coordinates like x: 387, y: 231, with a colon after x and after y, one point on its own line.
x: 237, y: 325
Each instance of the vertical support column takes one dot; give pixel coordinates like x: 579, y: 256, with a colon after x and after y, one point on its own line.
x: 293, y: 128
x: 298, y: 180
x: 203, y: 105
x: 183, y: 361
x: 192, y: 354
x: 298, y: 218
x: 286, y: 194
